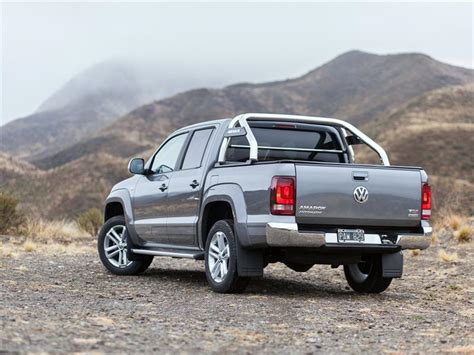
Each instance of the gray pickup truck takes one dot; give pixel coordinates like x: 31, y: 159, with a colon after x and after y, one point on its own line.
x: 262, y: 188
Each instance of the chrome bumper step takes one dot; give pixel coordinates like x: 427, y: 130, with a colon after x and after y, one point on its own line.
x: 287, y: 235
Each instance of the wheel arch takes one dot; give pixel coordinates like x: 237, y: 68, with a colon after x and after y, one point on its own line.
x: 119, y: 201
x: 213, y: 212
x: 112, y: 209
x: 225, y: 201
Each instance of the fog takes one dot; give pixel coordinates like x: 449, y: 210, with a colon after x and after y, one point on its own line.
x: 210, y: 44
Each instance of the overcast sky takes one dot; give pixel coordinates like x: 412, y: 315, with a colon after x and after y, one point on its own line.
x: 44, y: 45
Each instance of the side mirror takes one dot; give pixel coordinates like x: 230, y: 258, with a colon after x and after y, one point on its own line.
x: 137, y: 166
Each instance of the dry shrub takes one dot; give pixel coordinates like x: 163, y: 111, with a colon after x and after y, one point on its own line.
x: 415, y: 252
x: 11, y: 219
x: 463, y: 234
x: 447, y: 257
x: 29, y: 246
x: 60, y: 231
x: 454, y: 221
x: 90, y: 221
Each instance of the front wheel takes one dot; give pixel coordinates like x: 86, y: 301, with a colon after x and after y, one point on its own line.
x: 112, y: 248
x: 221, y: 259
x: 366, y: 276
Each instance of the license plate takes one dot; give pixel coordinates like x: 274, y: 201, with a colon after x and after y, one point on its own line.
x: 350, y: 236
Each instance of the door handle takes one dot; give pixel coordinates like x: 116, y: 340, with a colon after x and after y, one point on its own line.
x: 163, y: 187
x: 194, y: 184
x: 360, y: 175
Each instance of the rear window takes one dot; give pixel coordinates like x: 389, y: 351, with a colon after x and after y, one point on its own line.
x: 288, y: 144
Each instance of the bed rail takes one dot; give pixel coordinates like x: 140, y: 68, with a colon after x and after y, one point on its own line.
x: 243, y: 119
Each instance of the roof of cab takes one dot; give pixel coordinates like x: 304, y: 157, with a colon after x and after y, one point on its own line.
x: 203, y: 124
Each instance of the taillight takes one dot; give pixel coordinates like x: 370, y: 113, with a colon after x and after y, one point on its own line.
x: 282, y: 195
x: 425, y: 201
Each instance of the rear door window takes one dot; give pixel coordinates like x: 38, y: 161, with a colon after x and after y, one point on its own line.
x: 196, y: 148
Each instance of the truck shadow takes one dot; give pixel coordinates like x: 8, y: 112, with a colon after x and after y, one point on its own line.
x: 270, y: 285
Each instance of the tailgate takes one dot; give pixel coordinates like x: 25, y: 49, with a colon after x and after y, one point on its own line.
x: 357, y: 196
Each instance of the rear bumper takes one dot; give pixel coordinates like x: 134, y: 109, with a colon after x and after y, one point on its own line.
x: 287, y: 235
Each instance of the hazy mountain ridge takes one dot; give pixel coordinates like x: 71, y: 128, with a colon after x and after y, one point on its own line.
x: 88, y: 102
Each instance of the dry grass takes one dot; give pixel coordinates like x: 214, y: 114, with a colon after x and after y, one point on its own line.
x: 59, y: 231
x: 447, y: 257
x: 70, y: 249
x: 29, y: 246
x: 13, y: 249
x: 464, y: 234
x: 50, y: 237
x: 6, y: 251
x: 455, y: 227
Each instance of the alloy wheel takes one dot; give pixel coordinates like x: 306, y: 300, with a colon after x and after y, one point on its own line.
x: 115, y: 246
x: 218, y: 257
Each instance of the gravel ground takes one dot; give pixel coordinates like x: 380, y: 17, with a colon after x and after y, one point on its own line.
x: 63, y: 300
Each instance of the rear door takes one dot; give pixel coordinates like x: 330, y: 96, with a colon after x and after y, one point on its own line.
x: 185, y: 190
x: 348, y: 195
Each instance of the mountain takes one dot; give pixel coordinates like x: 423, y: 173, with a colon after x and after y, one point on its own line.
x: 435, y: 130
x: 355, y: 86
x: 90, y: 101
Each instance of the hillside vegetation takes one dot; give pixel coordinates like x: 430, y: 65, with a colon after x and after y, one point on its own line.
x: 436, y: 131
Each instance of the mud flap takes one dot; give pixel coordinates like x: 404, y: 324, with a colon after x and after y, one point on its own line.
x: 392, y: 265
x: 249, y: 261
x: 131, y: 255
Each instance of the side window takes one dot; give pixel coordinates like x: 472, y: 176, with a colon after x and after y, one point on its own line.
x: 166, y: 158
x: 197, y: 147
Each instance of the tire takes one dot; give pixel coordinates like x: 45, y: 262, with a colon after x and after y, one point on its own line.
x: 118, y: 263
x: 221, y: 237
x: 366, y: 277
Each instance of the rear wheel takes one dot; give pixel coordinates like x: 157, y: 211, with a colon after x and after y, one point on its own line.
x: 221, y: 259
x: 366, y: 276
x: 112, y: 248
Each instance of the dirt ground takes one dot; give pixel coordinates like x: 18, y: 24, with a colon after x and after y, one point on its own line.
x: 62, y: 299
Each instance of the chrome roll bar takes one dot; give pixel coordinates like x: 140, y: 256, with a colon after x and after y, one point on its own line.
x: 243, y: 119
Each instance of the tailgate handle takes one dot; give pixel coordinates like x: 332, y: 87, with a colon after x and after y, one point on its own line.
x: 360, y: 175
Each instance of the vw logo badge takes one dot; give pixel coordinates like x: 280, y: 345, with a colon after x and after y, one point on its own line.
x: 361, y: 194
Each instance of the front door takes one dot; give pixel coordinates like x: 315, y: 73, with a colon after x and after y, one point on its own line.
x: 185, y: 191
x: 151, y: 192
